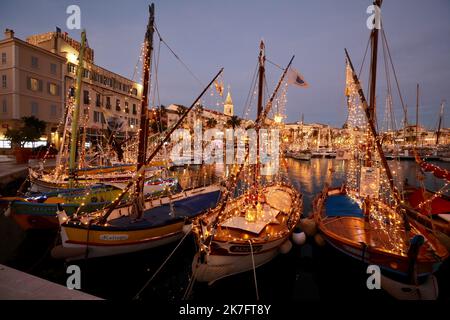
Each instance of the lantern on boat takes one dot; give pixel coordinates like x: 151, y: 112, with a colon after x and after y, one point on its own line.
x: 251, y: 213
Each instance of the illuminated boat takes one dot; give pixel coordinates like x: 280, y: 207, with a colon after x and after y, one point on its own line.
x: 364, y: 219
x: 140, y: 223
x: 431, y: 209
x: 161, y: 223
x: 39, y: 211
x: 247, y: 231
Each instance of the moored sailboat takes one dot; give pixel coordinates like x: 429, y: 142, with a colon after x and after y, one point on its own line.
x: 364, y: 218
x: 141, y: 223
x: 247, y: 231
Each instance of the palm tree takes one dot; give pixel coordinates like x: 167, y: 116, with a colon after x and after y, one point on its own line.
x: 234, y: 122
x: 181, y: 110
x: 211, y: 123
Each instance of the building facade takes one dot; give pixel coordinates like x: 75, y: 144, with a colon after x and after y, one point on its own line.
x: 31, y: 85
x: 45, y: 66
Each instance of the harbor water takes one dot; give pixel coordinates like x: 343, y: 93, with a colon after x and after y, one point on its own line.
x: 308, y: 272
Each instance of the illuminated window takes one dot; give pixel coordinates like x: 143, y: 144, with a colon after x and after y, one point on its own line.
x: 5, y: 144
x: 53, y: 89
x: 34, y: 84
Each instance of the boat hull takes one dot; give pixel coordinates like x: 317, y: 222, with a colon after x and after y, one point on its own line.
x: 114, y: 239
x: 228, y: 259
x: 109, y: 243
x: 347, y: 234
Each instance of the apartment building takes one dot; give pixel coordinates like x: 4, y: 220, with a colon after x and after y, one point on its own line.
x: 31, y: 85
x: 40, y: 78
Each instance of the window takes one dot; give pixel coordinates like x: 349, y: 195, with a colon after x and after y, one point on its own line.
x: 108, y: 102
x: 86, y: 97
x: 53, y: 89
x: 117, y: 104
x: 52, y: 68
x: 134, y: 108
x: 127, y: 110
x: 34, y: 84
x: 3, y: 57
x: 5, y: 144
x: 4, y: 81
x: 132, y: 122
x: 4, y: 106
x: 34, y: 144
x: 34, y: 62
x: 97, y: 117
x: 134, y: 91
x: 71, y: 92
x: 53, y: 110
x: 71, y: 68
x: 34, y: 109
x: 97, y: 100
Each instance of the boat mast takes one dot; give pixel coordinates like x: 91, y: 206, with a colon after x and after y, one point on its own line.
x: 76, y: 112
x: 143, y: 127
x: 373, y: 131
x: 262, y: 60
x: 441, y: 114
x: 140, y: 172
x: 417, y: 115
x: 373, y: 80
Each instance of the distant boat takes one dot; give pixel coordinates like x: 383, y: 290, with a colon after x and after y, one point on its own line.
x: 300, y: 155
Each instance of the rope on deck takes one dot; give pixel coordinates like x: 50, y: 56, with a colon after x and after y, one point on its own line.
x: 162, y: 265
x: 254, y: 270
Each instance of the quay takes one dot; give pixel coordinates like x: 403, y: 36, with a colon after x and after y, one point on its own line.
x: 18, y: 285
x: 11, y: 171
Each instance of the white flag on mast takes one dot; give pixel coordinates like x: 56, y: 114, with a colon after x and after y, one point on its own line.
x: 295, y: 78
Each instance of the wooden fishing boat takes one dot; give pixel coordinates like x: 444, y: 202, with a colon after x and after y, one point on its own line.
x: 138, y: 224
x: 434, y: 214
x: 367, y: 222
x: 39, y: 211
x: 239, y: 245
x: 243, y: 233
x: 431, y: 209
x: 344, y: 224
x: 162, y: 222
x: 48, y: 182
